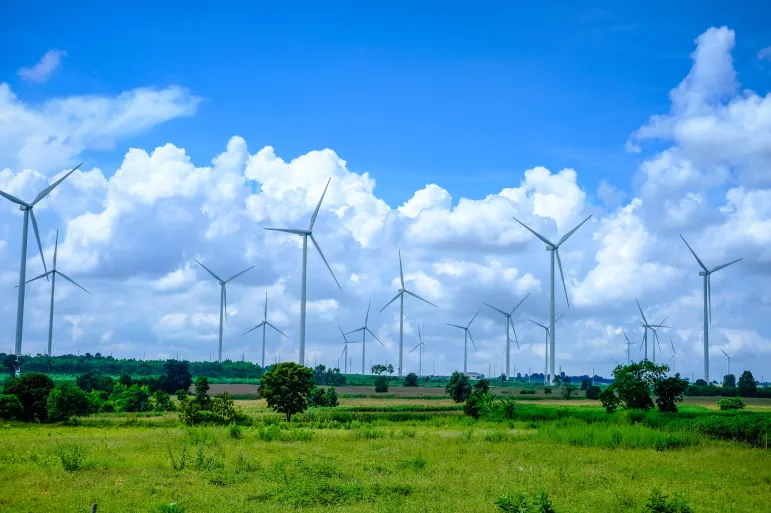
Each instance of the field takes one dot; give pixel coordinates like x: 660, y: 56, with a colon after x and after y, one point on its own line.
x: 381, y: 454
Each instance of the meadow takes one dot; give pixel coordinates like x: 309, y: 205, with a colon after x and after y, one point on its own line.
x: 390, y: 454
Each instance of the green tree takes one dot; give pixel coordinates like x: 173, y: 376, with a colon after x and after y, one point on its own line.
x: 381, y: 384
x: 390, y: 369
x: 459, y: 387
x: 331, y: 397
x: 94, y: 380
x: 478, y: 404
x: 10, y: 407
x: 32, y: 389
x: 125, y: 379
x: 669, y: 391
x: 286, y: 387
x: 67, y: 401
x: 317, y: 397
x: 202, y: 392
x: 379, y: 369
x: 731, y: 403
x: 747, y: 385
x: 176, y: 376
x: 161, y: 401
x: 568, y: 390
x: 609, y: 400
x: 134, y: 399
x: 585, y: 384
x: 593, y: 392
x: 12, y: 364
x: 729, y: 381
x: 482, y: 386
x: 411, y: 380
x: 633, y: 383
x: 224, y: 407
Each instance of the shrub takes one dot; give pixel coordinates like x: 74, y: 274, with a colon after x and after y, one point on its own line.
x: 32, y: 390
x: 286, y: 387
x: 459, y: 387
x: 181, y: 394
x: 411, y: 380
x: 508, y: 408
x: 189, y: 412
x: 161, y: 401
x: 222, y: 405
x: 172, y: 507
x: 731, y: 403
x: 132, y: 399
x: 234, y: 431
x: 547, y: 390
x: 609, y: 400
x: 331, y: 397
x: 658, y: 503
x: 381, y: 385
x: 107, y: 407
x: 526, y: 391
x: 669, y: 391
x: 67, y: 401
x: 10, y: 407
x: 519, y: 502
x: 585, y: 384
x: 317, y: 397
x: 93, y: 380
x: 201, y: 392
x: 482, y: 386
x: 593, y: 392
x: 568, y: 390
x: 72, y: 457
x: 478, y: 404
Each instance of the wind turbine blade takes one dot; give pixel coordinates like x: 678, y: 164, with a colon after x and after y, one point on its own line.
x: 210, y: 272
x: 721, y: 350
x: 371, y: 333
x: 641, y: 312
x: 538, y: 323
x: 366, y: 317
x: 496, y: 309
x: 69, y: 280
x: 424, y: 300
x: 558, y: 318
x: 238, y: 274
x: 265, y: 316
x: 472, y: 339
x: 343, y: 334
x: 269, y: 324
x: 225, y: 302
x: 258, y: 326
x: 624, y: 332
x: 544, y: 239
x: 318, y: 248
x: 316, y: 212
x: 725, y: 265
x: 420, y: 335
x: 515, y: 332
x: 455, y: 326
x: 13, y: 199
x: 559, y: 263
x: 401, y: 270
x: 288, y: 230
x: 394, y: 299
x: 354, y: 331
x: 695, y: 255
x: 571, y: 232
x: 518, y: 304
x: 37, y: 237
x: 417, y: 346
x: 672, y: 344
x: 37, y: 278
x: 709, y: 297
x: 472, y: 319
x: 56, y: 248
x: 53, y: 186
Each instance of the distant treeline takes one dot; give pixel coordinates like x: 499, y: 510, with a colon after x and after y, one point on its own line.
x: 73, y: 364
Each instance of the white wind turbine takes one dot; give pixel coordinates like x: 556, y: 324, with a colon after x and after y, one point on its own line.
x: 673, y: 354
x: 223, y: 300
x: 546, y: 353
x: 553, y: 250
x: 728, y: 358
x: 305, y: 234
x: 345, y: 350
x: 263, y: 325
x: 654, y: 329
x: 53, y: 272
x: 628, y: 345
x: 364, y: 329
x: 706, y: 273
x: 400, y: 295
x: 509, y: 324
x: 466, y: 336
x: 651, y: 327
x: 419, y: 347
x: 27, y: 208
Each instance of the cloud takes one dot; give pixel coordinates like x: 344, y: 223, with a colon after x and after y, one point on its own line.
x: 765, y: 53
x: 43, y: 70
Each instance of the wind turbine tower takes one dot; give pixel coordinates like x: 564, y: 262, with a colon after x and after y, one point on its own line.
x: 263, y: 325
x: 509, y: 324
x: 419, y: 347
x: 344, y: 355
x: 466, y: 337
x: 728, y: 358
x: 546, y: 352
x: 364, y: 329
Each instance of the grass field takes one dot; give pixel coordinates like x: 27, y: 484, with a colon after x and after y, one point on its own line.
x: 432, y: 459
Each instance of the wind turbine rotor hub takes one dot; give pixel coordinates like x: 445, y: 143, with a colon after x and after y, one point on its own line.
x: 703, y: 273
x: 550, y: 248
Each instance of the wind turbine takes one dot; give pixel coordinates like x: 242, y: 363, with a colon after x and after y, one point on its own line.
x: 546, y: 353
x: 509, y: 323
x: 706, y: 273
x: 223, y: 300
x: 419, y: 347
x: 651, y: 327
x: 53, y: 272
x: 673, y: 354
x: 27, y: 208
x: 654, y: 329
x: 466, y: 336
x: 400, y: 295
x: 305, y: 234
x: 364, y: 329
x: 344, y: 355
x: 628, y: 345
x: 263, y: 325
x: 553, y: 250
x: 728, y: 357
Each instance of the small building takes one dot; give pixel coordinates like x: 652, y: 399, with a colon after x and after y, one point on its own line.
x: 474, y: 375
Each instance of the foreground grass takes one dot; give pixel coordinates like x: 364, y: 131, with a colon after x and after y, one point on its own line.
x: 442, y: 464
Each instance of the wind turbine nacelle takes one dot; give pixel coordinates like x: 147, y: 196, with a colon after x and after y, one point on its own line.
x: 703, y: 273
x: 549, y: 248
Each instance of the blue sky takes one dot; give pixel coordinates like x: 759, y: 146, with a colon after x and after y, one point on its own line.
x: 437, y: 92
x: 437, y: 124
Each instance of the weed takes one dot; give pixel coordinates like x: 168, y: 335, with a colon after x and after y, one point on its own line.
x: 658, y: 503
x: 72, y: 457
x: 234, y: 431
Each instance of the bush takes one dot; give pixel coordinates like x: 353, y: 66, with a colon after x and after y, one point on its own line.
x: 286, y: 387
x: 201, y: 392
x: 593, y: 392
x: 669, y: 391
x: 609, y: 400
x: 585, y: 384
x: 331, y: 397
x: 526, y: 391
x: 67, y: 401
x: 568, y: 390
x: 72, y: 457
x: 10, y: 407
x: 731, y: 403
x: 317, y: 397
x: 658, y: 503
x: 482, y: 386
x: 459, y: 387
x: 478, y: 404
x: 234, y: 431
x: 222, y: 405
x: 161, y: 401
x: 107, y: 407
x: 547, y: 391
x: 189, y: 412
x: 32, y: 390
x: 411, y: 380
x: 93, y: 380
x: 381, y: 385
x: 523, y: 503
x: 508, y: 408
x: 132, y: 399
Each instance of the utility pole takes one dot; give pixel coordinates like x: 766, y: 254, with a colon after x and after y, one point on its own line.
x: 528, y: 375
x: 592, y: 376
x: 490, y: 370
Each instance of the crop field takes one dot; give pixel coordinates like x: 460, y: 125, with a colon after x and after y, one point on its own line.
x: 381, y: 455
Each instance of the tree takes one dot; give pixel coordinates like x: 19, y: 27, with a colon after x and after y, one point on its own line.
x: 12, y: 364
x: 557, y: 380
x: 411, y: 380
x: 747, y: 385
x: 669, y: 391
x: 201, y: 392
x: 701, y: 383
x: 547, y: 391
x: 381, y: 384
x: 633, y: 383
x: 32, y: 390
x: 568, y: 390
x: 222, y: 405
x: 729, y: 381
x: 94, y: 380
x: 503, y: 377
x: 593, y: 392
x: 609, y: 400
x: 125, y: 379
x: 478, y: 403
x: 176, y: 376
x: 390, y: 369
x: 10, y: 407
x: 286, y: 387
x: 67, y: 401
x: 379, y: 369
x: 459, y: 387
x: 331, y: 397
x: 161, y: 401
x: 482, y: 386
x: 731, y: 403
x: 133, y: 399
x: 585, y: 384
